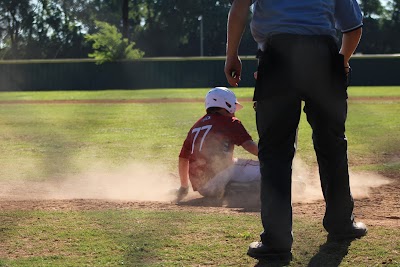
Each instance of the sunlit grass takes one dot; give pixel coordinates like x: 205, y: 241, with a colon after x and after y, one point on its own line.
x: 198, y: 93
x: 168, y: 238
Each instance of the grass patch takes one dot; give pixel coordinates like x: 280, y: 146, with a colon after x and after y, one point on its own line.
x: 169, y: 238
x: 374, y: 91
x: 198, y: 93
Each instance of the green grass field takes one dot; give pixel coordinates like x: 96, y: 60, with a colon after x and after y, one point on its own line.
x: 40, y: 142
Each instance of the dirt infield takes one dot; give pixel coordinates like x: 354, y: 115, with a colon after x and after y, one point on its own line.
x: 381, y: 207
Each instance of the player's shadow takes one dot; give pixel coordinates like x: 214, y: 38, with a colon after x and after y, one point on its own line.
x: 245, y: 197
x: 242, y: 202
x: 330, y: 254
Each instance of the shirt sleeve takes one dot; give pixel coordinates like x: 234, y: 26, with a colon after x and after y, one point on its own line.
x: 252, y: 1
x: 186, y: 149
x: 239, y: 133
x: 348, y: 15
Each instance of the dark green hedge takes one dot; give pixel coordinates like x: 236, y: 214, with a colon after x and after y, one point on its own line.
x: 162, y: 73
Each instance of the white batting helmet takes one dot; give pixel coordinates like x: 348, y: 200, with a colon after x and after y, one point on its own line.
x: 222, y: 97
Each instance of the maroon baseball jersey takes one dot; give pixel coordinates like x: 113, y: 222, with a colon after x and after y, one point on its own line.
x: 209, y: 146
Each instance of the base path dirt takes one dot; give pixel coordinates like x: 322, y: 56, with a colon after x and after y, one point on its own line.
x: 380, y: 208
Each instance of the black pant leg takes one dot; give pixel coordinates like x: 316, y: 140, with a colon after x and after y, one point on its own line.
x: 277, y: 121
x: 330, y: 145
x: 326, y: 109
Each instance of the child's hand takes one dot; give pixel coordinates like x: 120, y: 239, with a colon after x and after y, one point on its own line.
x: 181, y: 193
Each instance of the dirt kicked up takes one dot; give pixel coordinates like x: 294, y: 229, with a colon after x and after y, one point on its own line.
x: 376, y: 197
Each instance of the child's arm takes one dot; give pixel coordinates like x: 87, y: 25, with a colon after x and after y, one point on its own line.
x: 184, y: 172
x: 183, y: 190
x: 251, y: 147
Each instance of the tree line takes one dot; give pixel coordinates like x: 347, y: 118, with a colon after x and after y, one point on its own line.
x: 114, y: 29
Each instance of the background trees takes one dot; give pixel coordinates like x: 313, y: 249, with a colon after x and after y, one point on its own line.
x: 57, y: 28
x: 110, y: 45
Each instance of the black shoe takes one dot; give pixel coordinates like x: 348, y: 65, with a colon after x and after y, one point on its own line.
x: 356, y: 230
x: 260, y: 251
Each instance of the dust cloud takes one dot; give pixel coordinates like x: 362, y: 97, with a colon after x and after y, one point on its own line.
x: 135, y: 181
x: 307, y: 187
x: 140, y: 181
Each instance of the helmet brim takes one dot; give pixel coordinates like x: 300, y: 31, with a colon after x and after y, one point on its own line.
x: 238, y: 106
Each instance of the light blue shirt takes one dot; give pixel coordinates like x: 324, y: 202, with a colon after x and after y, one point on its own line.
x: 305, y: 17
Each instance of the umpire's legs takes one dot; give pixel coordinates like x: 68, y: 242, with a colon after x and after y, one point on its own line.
x: 277, y: 120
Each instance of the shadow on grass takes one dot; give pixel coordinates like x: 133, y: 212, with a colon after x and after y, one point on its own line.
x: 330, y: 254
x: 242, y: 202
x: 263, y: 263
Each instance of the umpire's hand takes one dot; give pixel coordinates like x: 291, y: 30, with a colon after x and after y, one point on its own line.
x: 233, y: 70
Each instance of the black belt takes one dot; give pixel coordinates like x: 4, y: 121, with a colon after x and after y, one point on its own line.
x: 279, y: 37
